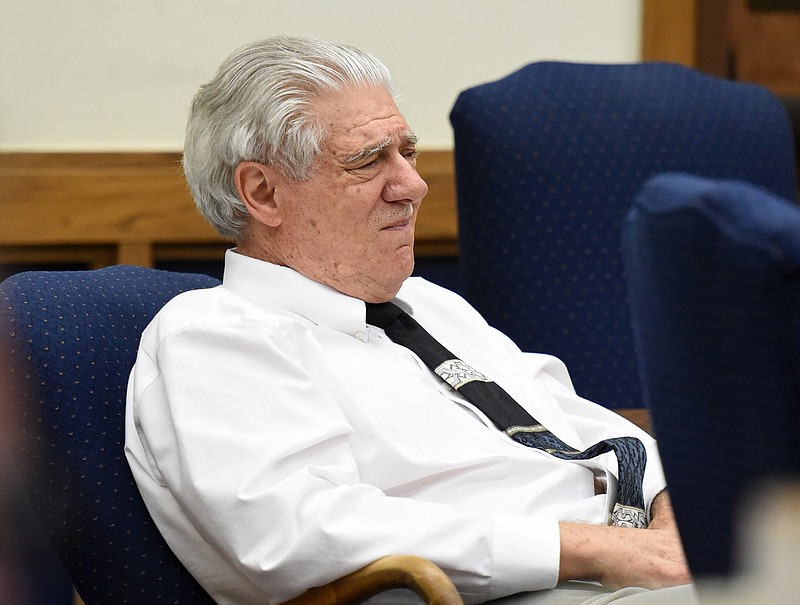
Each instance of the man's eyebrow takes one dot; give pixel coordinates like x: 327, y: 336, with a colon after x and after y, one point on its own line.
x: 407, y: 138
x: 366, y: 152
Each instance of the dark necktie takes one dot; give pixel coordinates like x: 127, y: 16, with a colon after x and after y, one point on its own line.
x: 512, y: 418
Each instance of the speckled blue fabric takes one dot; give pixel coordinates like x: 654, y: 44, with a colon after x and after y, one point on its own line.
x: 713, y: 270
x: 547, y: 162
x: 71, y: 338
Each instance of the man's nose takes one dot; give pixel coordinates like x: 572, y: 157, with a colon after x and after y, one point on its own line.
x: 404, y: 183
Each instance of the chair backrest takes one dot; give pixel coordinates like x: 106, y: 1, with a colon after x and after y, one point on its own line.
x: 71, y: 338
x: 713, y: 269
x: 547, y: 161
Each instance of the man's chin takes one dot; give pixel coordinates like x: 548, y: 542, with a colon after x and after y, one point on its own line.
x: 405, y: 261
x: 393, y: 278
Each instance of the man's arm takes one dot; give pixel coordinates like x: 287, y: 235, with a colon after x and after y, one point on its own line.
x: 618, y: 557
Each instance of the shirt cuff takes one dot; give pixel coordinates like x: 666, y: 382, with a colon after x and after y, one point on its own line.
x: 526, y: 557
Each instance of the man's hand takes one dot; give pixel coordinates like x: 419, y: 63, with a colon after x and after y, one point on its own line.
x: 619, y: 557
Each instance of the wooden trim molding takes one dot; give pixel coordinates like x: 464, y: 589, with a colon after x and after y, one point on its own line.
x: 669, y: 31
x: 135, y: 208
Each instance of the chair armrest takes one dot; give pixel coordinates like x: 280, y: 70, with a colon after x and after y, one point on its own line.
x: 396, y: 571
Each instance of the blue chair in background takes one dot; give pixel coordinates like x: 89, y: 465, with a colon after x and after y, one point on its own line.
x: 70, y: 339
x: 547, y: 162
x: 713, y: 269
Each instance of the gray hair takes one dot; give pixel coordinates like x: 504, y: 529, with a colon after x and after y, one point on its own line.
x: 259, y: 107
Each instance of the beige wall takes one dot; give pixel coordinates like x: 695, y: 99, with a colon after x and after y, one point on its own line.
x: 118, y: 75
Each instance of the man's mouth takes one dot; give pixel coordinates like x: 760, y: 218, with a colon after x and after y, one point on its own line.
x: 398, y: 224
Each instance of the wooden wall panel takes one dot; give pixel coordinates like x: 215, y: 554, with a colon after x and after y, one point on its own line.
x: 765, y: 47
x: 136, y: 205
x: 669, y: 31
x: 437, y: 224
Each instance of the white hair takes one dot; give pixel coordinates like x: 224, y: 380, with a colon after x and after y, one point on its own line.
x: 259, y: 107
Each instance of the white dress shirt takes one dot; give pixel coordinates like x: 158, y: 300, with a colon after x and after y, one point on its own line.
x: 280, y: 442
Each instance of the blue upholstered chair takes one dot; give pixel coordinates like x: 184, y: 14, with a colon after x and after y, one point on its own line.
x: 713, y: 270
x: 547, y: 162
x: 70, y: 338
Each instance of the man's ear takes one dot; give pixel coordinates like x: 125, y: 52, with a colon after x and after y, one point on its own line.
x: 255, y: 184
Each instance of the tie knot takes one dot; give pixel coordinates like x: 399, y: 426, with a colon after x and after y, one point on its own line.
x: 382, y: 314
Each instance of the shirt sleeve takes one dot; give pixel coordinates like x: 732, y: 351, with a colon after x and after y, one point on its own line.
x: 260, y: 463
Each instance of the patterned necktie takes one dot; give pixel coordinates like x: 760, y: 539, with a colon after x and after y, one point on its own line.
x: 510, y: 417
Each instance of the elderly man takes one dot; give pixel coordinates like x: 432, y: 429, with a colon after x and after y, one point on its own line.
x: 282, y: 437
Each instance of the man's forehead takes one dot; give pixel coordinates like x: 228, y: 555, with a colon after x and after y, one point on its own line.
x: 354, y: 118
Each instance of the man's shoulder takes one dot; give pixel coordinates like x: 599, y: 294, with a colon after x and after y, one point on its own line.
x: 421, y: 288
x: 211, y: 309
x: 422, y: 294
x: 189, y: 306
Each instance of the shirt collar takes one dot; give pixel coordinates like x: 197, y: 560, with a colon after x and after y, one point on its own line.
x: 284, y: 288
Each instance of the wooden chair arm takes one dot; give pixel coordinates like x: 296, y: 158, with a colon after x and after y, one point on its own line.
x: 396, y: 571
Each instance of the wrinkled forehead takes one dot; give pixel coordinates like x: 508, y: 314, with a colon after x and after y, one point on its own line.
x: 356, y: 119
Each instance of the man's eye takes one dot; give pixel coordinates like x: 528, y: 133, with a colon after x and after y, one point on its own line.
x: 411, y: 154
x: 367, y: 164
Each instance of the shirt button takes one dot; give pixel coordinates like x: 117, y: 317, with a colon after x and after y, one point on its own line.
x: 361, y: 336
